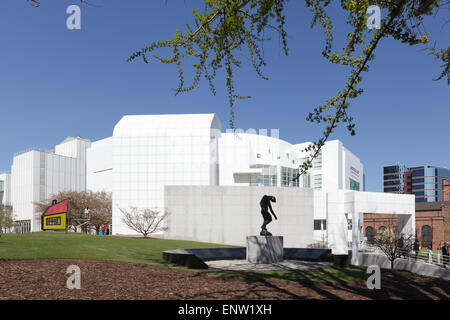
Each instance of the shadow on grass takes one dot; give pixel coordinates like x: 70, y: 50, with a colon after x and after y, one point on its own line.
x: 333, y: 283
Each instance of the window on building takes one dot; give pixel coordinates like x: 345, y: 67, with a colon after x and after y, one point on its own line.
x: 305, y: 180
x: 56, y: 221
x: 317, y: 224
x: 317, y: 181
x: 392, y: 189
x: 288, y: 176
x: 392, y: 176
x: 320, y: 224
x: 349, y: 222
x: 317, y: 162
x: 418, y: 172
x: 258, y: 155
x: 391, y: 169
x: 427, y: 236
x: 354, y: 185
x: 369, y: 234
x: 268, y: 177
x: 382, y: 228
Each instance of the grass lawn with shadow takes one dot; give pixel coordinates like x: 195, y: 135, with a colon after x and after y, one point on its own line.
x: 71, y: 245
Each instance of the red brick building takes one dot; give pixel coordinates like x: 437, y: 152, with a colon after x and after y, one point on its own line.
x: 432, y: 221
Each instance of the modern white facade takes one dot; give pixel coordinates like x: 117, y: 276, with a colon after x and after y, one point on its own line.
x: 146, y: 153
x: 150, y: 152
x: 153, y: 151
x: 99, y: 165
x: 5, y: 188
x: 227, y: 214
x: 258, y: 160
x: 37, y: 175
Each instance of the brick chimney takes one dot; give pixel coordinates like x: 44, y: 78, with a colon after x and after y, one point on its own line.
x: 445, y: 190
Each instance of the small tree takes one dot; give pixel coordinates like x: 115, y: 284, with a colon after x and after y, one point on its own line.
x: 144, y: 221
x: 6, y: 217
x: 393, y: 243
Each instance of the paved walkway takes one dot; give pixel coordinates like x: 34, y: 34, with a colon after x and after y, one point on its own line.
x: 284, y: 265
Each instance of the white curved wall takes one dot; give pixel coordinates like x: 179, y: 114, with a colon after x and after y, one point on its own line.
x: 152, y: 151
x: 99, y: 176
x: 239, y: 151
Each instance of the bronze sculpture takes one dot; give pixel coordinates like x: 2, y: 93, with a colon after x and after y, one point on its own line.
x: 265, y: 207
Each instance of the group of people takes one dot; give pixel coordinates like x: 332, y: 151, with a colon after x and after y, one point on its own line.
x: 445, y: 250
x: 104, y: 230
x: 445, y: 258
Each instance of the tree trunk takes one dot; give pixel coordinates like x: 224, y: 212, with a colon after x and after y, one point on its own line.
x: 392, y: 264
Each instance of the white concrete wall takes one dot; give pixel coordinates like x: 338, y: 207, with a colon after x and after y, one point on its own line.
x: 353, y: 169
x: 152, y: 151
x: 238, y: 151
x: 332, y: 169
x: 6, y: 178
x: 336, y: 163
x: 76, y: 148
x: 234, y: 156
x: 25, y: 173
x: 61, y: 174
x: 320, y: 213
x: 226, y: 214
x: 99, y: 176
x: 37, y: 176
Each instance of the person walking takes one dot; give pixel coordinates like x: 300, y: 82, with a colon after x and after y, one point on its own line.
x: 445, y: 256
x: 430, y: 255
x: 103, y: 227
x: 401, y: 244
x: 416, y: 247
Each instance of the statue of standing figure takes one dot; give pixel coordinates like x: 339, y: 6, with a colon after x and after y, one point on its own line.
x: 265, y: 207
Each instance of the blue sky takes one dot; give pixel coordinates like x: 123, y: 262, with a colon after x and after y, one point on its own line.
x: 56, y: 82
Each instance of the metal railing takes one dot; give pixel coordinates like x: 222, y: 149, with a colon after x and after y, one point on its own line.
x: 429, y: 257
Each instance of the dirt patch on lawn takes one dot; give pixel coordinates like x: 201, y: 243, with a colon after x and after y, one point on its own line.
x: 46, y: 279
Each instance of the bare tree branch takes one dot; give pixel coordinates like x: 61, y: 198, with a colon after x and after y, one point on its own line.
x: 144, y: 221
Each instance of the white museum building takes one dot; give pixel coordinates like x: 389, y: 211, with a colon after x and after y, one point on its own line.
x: 210, y: 181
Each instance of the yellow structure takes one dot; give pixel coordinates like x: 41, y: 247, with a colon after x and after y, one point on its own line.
x: 55, y: 217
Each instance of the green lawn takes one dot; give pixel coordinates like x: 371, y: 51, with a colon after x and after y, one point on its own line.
x: 61, y: 245
x: 71, y: 245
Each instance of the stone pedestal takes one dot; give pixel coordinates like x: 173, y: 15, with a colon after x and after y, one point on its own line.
x: 262, y: 249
